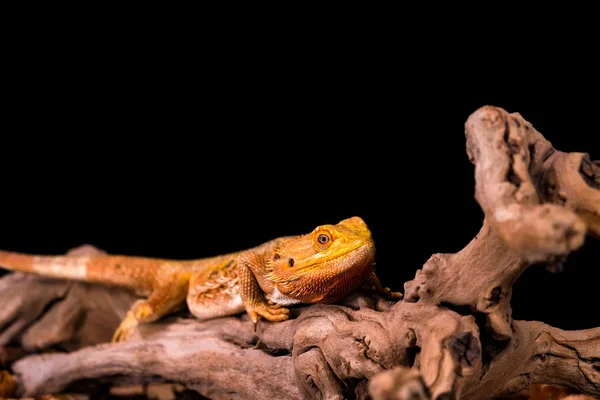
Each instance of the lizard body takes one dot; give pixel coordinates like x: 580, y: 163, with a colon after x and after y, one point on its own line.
x: 319, y: 267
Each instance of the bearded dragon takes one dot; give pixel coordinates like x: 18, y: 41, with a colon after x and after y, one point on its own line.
x: 318, y: 267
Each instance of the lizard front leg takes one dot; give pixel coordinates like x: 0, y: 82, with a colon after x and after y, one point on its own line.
x: 373, y: 284
x: 164, y: 299
x: 249, y: 264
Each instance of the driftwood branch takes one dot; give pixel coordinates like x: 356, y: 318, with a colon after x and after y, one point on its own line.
x: 451, y: 337
x: 198, y: 355
x: 542, y: 354
x: 311, y: 354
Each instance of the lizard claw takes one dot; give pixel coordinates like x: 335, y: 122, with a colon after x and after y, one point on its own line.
x: 125, y: 328
x: 388, y: 294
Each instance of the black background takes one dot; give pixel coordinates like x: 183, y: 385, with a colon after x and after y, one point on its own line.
x: 185, y: 152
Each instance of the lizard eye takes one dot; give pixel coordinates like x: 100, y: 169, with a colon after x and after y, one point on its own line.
x: 276, y: 257
x: 323, y: 240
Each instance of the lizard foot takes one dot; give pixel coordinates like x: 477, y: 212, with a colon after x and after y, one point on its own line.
x: 140, y: 311
x: 270, y: 312
x: 384, y: 292
x: 387, y: 293
x: 124, y: 330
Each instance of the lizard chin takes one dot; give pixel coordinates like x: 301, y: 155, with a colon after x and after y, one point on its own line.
x: 330, y: 280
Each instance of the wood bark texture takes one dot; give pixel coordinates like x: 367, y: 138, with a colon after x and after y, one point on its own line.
x: 451, y: 337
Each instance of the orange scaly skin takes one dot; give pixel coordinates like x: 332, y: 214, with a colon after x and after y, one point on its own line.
x: 319, y: 267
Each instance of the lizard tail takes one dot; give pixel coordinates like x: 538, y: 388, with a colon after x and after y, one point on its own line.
x: 135, y: 273
x: 54, y: 266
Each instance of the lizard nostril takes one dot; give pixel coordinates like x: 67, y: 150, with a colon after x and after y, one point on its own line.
x: 292, y: 262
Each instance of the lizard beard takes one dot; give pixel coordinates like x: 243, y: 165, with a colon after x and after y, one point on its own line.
x: 328, y: 281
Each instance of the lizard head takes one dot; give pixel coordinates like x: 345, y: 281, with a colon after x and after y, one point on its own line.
x: 324, y: 265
